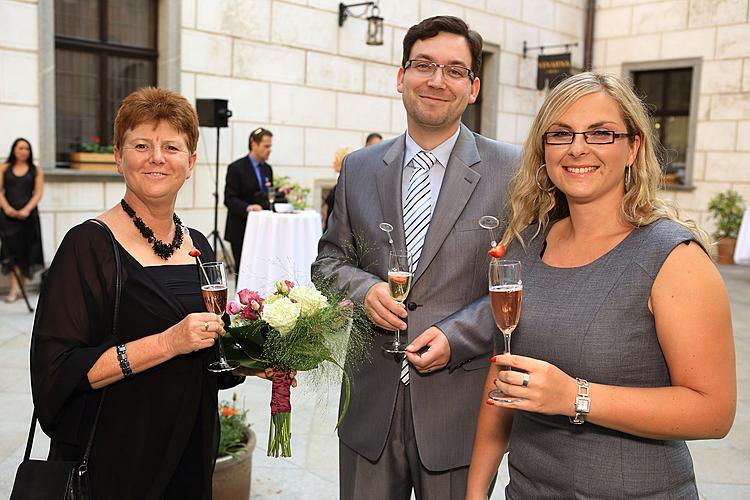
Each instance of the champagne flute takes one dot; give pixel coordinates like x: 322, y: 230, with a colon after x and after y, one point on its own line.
x: 214, y: 292
x: 271, y: 193
x: 506, y: 295
x: 399, y: 280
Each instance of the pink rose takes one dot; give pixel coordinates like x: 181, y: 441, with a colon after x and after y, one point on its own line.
x: 249, y: 314
x: 244, y: 296
x: 347, y: 308
x: 233, y: 307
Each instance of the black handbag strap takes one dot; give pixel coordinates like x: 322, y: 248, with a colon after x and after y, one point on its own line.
x: 118, y: 290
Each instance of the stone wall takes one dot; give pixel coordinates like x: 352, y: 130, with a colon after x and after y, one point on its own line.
x: 286, y: 65
x: 718, y: 33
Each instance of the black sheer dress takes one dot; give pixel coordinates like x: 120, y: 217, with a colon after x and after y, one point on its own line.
x: 158, y: 431
x: 21, y: 238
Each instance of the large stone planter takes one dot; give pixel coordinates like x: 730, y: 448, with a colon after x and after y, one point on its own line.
x: 725, y: 250
x: 102, y: 162
x: 233, y: 474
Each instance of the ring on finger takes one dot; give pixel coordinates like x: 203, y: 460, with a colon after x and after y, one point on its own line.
x: 205, y: 326
x: 525, y: 382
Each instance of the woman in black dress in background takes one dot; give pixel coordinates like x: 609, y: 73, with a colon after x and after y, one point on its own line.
x: 21, y: 184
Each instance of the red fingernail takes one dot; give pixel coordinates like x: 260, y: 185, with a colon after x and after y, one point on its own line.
x: 492, y: 359
x: 490, y: 402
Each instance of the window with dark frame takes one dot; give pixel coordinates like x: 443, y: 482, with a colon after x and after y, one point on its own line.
x: 104, y: 50
x: 667, y: 93
x: 472, y: 116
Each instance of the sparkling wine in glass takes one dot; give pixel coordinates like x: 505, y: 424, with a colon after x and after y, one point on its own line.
x: 214, y: 292
x: 399, y: 280
x: 271, y: 193
x: 506, y: 295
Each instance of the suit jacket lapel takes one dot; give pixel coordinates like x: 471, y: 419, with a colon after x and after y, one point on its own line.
x: 389, y: 191
x: 459, y: 183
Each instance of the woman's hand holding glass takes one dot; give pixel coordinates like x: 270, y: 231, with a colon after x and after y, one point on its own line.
x: 548, y: 390
x: 195, y: 332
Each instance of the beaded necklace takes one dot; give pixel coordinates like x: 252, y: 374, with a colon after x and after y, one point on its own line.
x: 160, y: 248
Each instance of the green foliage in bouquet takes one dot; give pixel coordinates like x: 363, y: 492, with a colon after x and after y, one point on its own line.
x: 295, y: 328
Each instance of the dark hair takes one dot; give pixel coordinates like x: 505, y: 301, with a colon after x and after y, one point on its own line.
x: 372, y: 136
x: 156, y: 104
x: 257, y: 135
x: 433, y: 25
x: 12, y: 156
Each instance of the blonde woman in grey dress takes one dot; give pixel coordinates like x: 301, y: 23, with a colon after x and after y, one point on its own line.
x: 624, y: 349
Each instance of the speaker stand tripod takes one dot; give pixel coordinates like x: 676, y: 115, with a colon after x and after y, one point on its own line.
x: 228, y: 258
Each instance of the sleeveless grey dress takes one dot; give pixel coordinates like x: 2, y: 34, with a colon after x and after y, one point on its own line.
x: 593, y: 322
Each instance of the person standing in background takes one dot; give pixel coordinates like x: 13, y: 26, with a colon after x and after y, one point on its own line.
x: 248, y: 182
x: 21, y: 186
x: 338, y: 160
x: 373, y: 139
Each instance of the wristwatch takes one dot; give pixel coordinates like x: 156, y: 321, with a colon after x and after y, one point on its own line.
x: 583, y: 402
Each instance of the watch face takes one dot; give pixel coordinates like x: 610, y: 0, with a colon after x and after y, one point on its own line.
x: 583, y: 405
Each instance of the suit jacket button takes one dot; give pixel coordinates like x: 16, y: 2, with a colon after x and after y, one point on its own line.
x: 411, y: 306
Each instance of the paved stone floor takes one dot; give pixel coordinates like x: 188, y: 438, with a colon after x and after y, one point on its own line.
x: 721, y: 465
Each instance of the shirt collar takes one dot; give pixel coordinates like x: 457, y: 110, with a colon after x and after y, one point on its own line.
x: 441, y: 152
x: 254, y: 162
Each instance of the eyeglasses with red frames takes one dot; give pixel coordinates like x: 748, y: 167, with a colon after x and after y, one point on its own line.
x: 559, y: 137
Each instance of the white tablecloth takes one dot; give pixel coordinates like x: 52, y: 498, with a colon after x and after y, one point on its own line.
x: 278, y: 246
x: 742, y: 250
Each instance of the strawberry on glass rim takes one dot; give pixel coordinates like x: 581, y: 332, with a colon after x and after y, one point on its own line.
x: 497, y: 251
x: 398, y: 279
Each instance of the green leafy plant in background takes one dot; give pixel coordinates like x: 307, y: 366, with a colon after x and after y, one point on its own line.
x: 297, y: 196
x: 94, y: 145
x: 234, y: 429
x: 727, y: 209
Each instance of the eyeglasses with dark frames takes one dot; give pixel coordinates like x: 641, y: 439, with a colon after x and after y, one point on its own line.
x: 559, y: 137
x: 450, y: 71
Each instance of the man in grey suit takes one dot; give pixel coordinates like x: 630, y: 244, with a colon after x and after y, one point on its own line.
x: 414, y: 429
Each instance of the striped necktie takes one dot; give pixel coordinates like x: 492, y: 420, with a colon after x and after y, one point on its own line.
x: 417, y: 215
x: 418, y: 205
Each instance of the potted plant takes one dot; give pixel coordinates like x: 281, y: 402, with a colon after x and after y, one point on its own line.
x: 92, y: 155
x: 727, y: 209
x: 234, y: 460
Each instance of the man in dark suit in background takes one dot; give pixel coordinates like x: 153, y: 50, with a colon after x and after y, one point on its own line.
x: 248, y: 182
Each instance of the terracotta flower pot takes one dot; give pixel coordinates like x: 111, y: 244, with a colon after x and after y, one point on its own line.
x: 233, y: 474
x: 725, y: 250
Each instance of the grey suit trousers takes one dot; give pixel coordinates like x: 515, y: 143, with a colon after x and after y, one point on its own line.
x: 399, y: 468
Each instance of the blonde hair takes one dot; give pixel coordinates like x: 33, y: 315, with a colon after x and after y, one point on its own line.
x: 640, y: 206
x: 338, y: 157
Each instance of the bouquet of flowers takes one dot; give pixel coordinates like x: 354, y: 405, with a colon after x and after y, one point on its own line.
x: 295, y: 328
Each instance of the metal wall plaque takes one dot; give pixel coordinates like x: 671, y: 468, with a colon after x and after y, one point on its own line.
x: 552, y: 68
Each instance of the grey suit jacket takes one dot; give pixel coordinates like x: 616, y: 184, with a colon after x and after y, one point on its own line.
x: 452, y: 273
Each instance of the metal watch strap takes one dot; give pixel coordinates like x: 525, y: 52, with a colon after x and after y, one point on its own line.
x: 582, y: 404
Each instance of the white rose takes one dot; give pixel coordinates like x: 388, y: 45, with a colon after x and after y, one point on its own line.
x: 281, y: 314
x: 310, y: 300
